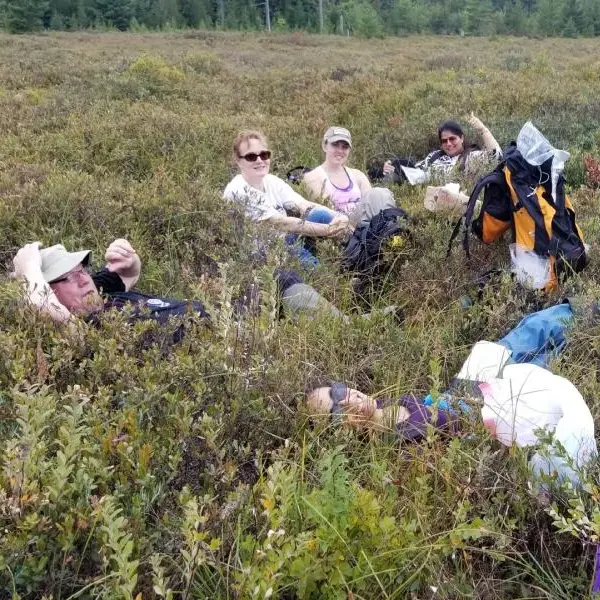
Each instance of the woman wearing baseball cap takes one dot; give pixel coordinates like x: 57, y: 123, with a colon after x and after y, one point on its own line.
x: 348, y: 190
x: 343, y: 186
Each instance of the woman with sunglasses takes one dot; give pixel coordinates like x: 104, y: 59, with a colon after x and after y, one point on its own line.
x: 267, y: 198
x: 454, y: 151
x: 407, y: 417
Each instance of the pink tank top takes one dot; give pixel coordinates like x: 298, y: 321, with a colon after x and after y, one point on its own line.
x: 343, y: 199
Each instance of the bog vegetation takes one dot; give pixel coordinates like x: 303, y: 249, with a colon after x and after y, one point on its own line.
x: 129, y: 471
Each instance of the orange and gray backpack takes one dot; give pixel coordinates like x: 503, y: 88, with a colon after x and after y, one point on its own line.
x: 518, y: 196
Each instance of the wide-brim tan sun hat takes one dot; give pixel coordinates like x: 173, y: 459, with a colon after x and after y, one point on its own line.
x: 58, y: 261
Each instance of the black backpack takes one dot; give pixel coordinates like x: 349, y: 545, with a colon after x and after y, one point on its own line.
x: 364, y: 250
x: 296, y: 175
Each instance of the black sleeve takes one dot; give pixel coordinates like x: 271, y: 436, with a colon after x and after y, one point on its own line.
x: 108, y: 282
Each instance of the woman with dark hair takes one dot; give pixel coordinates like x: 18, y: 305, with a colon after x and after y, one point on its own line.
x: 454, y: 151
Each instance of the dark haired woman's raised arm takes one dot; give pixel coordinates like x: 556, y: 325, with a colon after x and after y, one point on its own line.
x: 489, y: 141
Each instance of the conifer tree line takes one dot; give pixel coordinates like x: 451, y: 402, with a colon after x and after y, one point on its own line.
x: 367, y: 18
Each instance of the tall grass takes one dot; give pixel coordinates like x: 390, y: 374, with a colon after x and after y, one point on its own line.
x: 133, y: 470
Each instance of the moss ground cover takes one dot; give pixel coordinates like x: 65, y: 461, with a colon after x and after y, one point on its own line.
x: 130, y: 472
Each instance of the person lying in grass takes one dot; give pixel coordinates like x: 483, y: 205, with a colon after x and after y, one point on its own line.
x: 454, y: 153
x: 268, y: 199
x: 519, y: 401
x: 60, y: 284
x: 408, y: 417
x: 347, y: 189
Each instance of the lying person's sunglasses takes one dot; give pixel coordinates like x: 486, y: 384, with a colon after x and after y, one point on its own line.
x: 337, y: 392
x: 252, y: 156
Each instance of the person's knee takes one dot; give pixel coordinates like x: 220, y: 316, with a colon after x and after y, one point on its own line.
x: 381, y: 198
x: 286, y: 279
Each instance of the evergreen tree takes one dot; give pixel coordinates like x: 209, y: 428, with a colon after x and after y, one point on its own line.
x: 115, y: 12
x: 362, y: 18
x: 570, y: 29
x: 548, y: 17
x: 56, y: 22
x: 590, y: 10
x: 193, y: 12
x: 572, y: 11
x: 515, y: 18
x: 21, y: 16
x: 479, y: 17
x: 81, y: 18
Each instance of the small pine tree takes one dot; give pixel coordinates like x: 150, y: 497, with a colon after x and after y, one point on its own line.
x: 479, y: 17
x: 362, y: 18
x: 570, y: 30
x: 192, y: 12
x: 590, y: 10
x: 56, y: 22
x: 514, y: 17
x: 573, y: 11
x: 547, y: 17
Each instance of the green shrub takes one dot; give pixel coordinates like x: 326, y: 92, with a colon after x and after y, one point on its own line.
x: 132, y: 467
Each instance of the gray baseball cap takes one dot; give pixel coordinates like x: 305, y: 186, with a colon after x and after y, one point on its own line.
x: 337, y: 134
x: 58, y: 261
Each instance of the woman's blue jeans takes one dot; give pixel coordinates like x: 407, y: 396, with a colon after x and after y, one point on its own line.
x: 304, y: 247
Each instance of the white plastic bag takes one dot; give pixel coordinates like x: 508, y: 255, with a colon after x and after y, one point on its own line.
x: 445, y: 198
x: 531, y: 269
x: 415, y: 176
x: 536, y: 150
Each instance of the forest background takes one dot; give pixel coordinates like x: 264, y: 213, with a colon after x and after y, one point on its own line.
x: 366, y: 18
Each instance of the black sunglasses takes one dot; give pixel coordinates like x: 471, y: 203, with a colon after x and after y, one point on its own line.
x: 452, y: 138
x: 337, y: 392
x: 252, y: 156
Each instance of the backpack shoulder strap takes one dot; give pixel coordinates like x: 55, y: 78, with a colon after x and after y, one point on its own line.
x: 495, y: 177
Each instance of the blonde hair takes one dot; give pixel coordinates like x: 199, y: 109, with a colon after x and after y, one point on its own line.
x: 245, y: 137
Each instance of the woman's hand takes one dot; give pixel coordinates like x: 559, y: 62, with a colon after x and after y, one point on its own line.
x: 122, y: 258
x: 339, y: 225
x: 489, y: 141
x: 476, y: 123
x: 360, y: 403
x: 388, y: 167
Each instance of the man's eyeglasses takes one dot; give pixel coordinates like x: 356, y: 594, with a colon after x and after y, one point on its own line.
x: 253, y: 156
x: 73, y: 275
x: 452, y: 138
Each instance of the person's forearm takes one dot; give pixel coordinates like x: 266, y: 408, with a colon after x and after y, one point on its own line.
x: 489, y: 141
x: 41, y: 295
x: 129, y: 276
x: 295, y: 225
